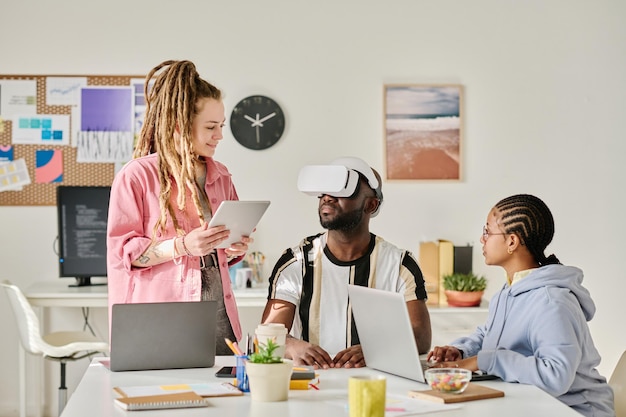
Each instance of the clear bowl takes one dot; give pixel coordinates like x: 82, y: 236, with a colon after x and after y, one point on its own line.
x: 448, y: 380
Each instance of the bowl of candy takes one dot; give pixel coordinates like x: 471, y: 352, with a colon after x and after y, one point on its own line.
x: 448, y: 380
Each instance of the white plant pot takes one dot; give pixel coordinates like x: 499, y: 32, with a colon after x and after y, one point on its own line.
x: 269, y: 381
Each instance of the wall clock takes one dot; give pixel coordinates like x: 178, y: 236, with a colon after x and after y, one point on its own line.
x: 257, y: 122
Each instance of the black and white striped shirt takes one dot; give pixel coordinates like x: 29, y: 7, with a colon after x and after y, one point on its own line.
x: 312, y: 279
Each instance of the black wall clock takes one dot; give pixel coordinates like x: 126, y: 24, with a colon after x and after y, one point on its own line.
x: 257, y: 122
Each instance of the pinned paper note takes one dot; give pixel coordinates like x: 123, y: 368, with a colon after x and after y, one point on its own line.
x: 64, y: 91
x: 6, y: 152
x: 18, y: 97
x: 106, y: 124
x: 41, y: 129
x: 49, y: 166
x: 13, y: 175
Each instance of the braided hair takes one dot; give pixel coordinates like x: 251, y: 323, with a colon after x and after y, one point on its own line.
x: 529, y: 218
x: 171, y: 105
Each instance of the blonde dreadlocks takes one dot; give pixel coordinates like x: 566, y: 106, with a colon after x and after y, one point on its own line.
x: 171, y: 101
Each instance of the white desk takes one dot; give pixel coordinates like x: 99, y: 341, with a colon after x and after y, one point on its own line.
x: 46, y: 295
x: 60, y: 294
x: 447, y: 323
x: 94, y: 396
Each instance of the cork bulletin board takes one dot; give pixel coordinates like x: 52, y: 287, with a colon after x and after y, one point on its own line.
x: 74, y: 170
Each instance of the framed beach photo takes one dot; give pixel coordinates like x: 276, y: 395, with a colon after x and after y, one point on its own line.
x: 423, y: 131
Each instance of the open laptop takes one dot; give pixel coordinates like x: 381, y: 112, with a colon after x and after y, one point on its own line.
x: 386, y: 335
x: 167, y: 335
x: 385, y: 332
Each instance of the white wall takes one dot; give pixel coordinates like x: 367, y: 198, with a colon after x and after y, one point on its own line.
x: 544, y: 113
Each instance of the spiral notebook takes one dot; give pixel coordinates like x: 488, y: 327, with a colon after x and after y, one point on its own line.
x: 187, y: 399
x: 203, y: 389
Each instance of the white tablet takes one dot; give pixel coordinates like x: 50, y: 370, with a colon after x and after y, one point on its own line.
x: 240, y: 217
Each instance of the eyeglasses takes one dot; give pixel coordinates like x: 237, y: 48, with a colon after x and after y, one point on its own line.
x: 487, y: 233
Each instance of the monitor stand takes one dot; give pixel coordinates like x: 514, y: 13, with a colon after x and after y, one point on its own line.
x: 85, y: 282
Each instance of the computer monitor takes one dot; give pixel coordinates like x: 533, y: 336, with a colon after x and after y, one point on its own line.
x: 82, y: 226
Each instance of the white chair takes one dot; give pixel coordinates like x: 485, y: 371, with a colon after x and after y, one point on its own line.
x: 618, y: 383
x: 58, y: 346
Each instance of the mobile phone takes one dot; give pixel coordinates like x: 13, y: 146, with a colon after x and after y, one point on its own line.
x: 227, y: 372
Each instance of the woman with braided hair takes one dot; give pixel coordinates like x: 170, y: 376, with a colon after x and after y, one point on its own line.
x: 536, y: 331
x: 159, y: 245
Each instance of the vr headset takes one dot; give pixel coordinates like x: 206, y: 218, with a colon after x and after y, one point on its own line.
x: 339, y: 179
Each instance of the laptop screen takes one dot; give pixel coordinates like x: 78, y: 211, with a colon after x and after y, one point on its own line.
x: 163, y: 335
x: 385, y: 332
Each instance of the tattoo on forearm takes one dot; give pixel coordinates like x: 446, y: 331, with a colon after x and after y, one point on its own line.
x: 156, y: 254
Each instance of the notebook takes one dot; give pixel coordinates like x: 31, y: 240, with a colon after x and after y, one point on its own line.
x: 166, y: 401
x: 240, y: 217
x: 385, y: 332
x: 163, y: 335
x: 203, y: 389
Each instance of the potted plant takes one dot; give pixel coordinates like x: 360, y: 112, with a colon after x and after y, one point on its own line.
x: 464, y: 290
x: 268, y: 374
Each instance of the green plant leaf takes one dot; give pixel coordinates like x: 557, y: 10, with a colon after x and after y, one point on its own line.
x: 266, y: 353
x: 464, y: 282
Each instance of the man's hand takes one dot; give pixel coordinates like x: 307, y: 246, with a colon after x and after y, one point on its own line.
x: 305, y: 353
x: 467, y: 363
x: 444, y: 354
x: 350, y: 358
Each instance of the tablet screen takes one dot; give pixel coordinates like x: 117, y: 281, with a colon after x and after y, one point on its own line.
x: 240, y: 217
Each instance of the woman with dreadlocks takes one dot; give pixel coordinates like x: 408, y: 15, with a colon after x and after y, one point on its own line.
x: 536, y: 331
x: 159, y: 245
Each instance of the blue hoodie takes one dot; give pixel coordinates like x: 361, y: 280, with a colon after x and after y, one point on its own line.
x: 536, y: 333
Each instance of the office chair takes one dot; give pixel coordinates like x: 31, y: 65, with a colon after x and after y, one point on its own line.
x: 618, y: 383
x: 58, y: 346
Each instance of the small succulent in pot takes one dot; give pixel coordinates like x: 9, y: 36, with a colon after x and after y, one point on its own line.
x: 464, y: 290
x: 464, y: 282
x: 265, y: 353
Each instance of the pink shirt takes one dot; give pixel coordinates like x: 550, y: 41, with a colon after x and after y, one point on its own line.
x: 133, y: 212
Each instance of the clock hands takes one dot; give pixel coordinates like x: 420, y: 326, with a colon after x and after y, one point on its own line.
x: 269, y: 116
x: 259, y: 122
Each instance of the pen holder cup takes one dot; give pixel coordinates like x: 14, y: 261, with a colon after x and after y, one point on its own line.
x: 242, y: 376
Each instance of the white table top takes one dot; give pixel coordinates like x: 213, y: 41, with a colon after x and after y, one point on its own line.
x: 94, y: 396
x: 58, y: 293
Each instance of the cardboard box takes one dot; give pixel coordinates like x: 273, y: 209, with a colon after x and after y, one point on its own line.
x: 436, y: 259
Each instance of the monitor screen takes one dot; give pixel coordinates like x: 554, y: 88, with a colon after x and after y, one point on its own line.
x: 82, y: 226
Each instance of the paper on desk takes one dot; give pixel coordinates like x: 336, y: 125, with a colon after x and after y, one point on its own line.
x: 398, y: 405
x: 209, y: 389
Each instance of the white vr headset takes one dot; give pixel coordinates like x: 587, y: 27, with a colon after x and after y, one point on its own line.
x: 339, y: 179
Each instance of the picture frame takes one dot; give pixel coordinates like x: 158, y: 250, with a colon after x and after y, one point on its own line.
x: 423, y: 131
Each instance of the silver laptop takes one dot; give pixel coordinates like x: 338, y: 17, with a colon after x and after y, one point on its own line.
x: 385, y: 332
x: 163, y: 335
